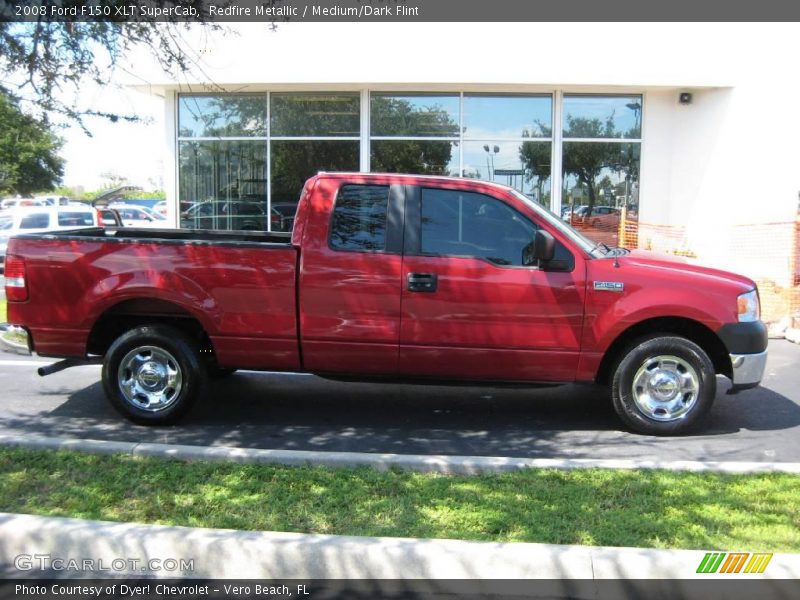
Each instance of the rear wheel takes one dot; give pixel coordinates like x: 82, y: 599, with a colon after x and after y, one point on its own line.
x: 663, y: 385
x: 153, y: 374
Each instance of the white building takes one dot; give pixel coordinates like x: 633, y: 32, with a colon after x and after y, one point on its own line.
x: 563, y: 111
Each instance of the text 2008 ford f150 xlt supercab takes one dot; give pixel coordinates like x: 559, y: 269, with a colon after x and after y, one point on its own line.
x: 391, y: 277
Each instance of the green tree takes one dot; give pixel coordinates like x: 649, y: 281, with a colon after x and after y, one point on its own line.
x: 29, y: 159
x: 399, y: 117
x: 536, y: 157
x: 42, y: 60
x: 586, y: 160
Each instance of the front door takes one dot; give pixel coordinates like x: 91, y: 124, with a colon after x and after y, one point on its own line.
x: 470, y: 308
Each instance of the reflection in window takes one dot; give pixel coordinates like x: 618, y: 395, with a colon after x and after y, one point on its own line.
x: 223, y: 185
x: 315, y: 115
x: 488, y: 117
x: 359, y: 218
x: 220, y: 116
x: 601, y: 185
x: 525, y: 166
x: 414, y: 115
x: 603, y: 117
x: 468, y: 224
x: 418, y: 157
x: 293, y: 162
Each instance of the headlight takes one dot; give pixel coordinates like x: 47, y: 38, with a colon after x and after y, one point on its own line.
x: 748, y: 308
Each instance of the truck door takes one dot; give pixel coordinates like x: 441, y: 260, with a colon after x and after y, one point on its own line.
x: 470, y: 308
x: 349, y: 282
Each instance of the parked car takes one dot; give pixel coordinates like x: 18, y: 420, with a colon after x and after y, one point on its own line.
x: 568, y: 211
x: 10, y: 203
x: 138, y: 216
x: 228, y: 214
x: 602, y: 217
x: 109, y: 217
x: 161, y: 208
x: 287, y: 211
x: 40, y: 219
x: 392, y: 277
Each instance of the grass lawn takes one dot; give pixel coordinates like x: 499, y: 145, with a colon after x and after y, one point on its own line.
x: 658, y: 509
x: 3, y: 310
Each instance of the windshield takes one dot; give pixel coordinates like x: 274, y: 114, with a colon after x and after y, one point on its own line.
x: 585, y: 243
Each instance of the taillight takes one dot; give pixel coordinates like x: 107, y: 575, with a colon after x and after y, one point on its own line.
x: 16, y: 286
x: 100, y: 222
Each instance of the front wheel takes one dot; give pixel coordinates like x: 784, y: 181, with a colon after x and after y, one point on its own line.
x: 153, y: 374
x: 663, y: 385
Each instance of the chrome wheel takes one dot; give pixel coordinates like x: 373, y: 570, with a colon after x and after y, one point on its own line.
x: 665, y: 388
x: 150, y: 378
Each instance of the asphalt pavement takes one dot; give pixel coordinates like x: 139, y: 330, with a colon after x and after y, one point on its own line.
x: 302, y: 412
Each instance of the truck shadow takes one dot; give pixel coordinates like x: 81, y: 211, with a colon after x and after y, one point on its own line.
x: 302, y: 412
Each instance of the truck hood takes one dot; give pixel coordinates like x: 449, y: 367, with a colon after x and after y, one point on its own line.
x: 681, y: 268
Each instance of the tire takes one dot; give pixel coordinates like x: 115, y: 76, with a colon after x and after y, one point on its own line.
x: 153, y: 375
x: 663, y: 385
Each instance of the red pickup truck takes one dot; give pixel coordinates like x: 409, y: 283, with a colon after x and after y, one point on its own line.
x: 395, y: 278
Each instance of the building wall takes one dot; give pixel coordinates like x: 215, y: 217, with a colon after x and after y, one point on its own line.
x: 728, y: 159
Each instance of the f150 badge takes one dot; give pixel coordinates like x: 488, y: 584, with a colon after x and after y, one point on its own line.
x: 609, y: 286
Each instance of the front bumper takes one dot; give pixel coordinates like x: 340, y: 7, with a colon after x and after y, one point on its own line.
x: 748, y: 370
x: 747, y: 347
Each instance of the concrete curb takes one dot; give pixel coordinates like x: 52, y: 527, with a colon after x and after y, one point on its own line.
x: 221, y: 553
x: 457, y: 465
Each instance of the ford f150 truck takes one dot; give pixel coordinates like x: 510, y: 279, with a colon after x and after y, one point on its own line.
x: 395, y: 278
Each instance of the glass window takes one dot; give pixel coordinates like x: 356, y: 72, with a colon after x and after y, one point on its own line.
x: 603, y: 117
x: 418, y: 157
x: 525, y: 166
x: 601, y: 179
x: 293, y: 162
x: 418, y: 115
x: 75, y: 219
x: 35, y: 221
x: 315, y: 115
x: 468, y: 224
x: 223, y: 185
x: 359, y: 218
x: 489, y: 117
x: 221, y: 116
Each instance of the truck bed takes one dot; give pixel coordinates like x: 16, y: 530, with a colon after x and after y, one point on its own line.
x: 169, y: 235
x: 239, y: 287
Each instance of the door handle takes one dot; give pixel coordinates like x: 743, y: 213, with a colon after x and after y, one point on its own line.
x: 422, y: 282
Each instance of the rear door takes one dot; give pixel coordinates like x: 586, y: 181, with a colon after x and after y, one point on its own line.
x: 350, y: 272
x: 470, y: 308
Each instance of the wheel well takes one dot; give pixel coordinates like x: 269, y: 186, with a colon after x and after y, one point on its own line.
x: 692, y: 330
x: 128, y: 314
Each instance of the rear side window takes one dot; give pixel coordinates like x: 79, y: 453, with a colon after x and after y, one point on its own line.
x: 35, y: 221
x: 359, y: 218
x: 75, y: 219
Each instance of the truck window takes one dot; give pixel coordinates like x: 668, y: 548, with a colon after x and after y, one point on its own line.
x: 359, y: 218
x: 35, y: 221
x: 75, y: 219
x: 468, y: 224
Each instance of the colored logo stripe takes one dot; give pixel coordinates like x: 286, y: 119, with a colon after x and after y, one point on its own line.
x: 758, y: 563
x: 711, y: 562
x: 735, y: 561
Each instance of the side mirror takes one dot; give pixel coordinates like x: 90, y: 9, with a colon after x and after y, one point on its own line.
x: 540, y: 250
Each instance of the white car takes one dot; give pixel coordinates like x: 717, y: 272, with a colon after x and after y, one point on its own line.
x: 38, y: 219
x: 139, y: 216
